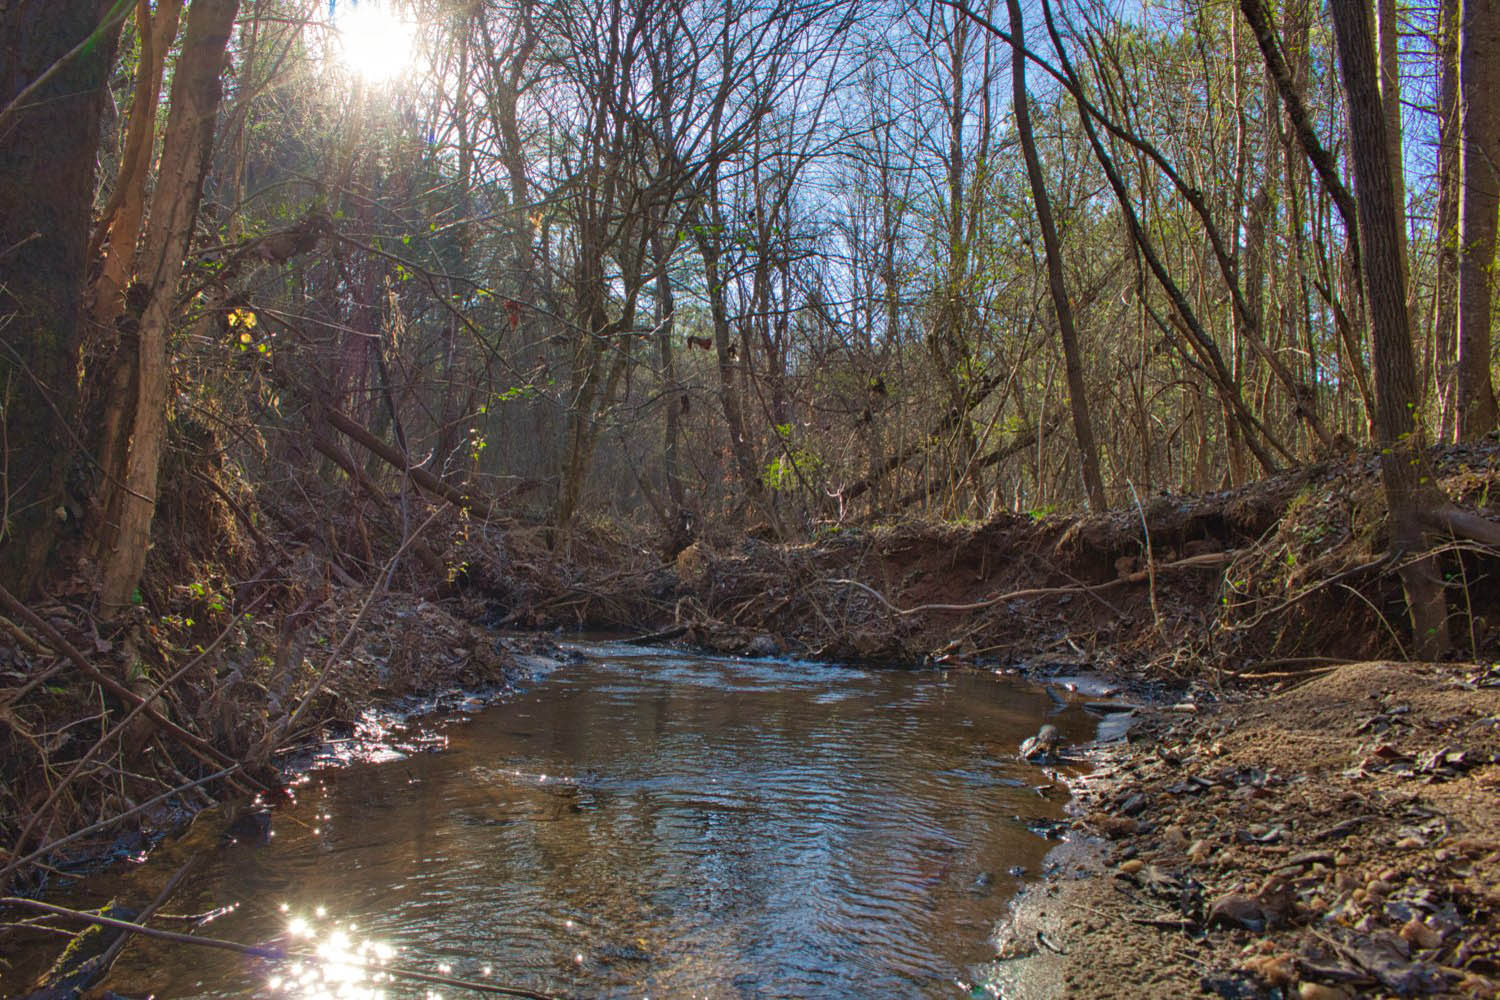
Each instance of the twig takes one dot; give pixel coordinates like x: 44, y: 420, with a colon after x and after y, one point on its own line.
x: 107, y: 959
x: 1394, y: 637
x: 1150, y: 557
x: 111, y: 821
x: 143, y: 706
x: 273, y: 954
x: 1310, y: 590
x: 1209, y: 560
x: 380, y: 587
x: 113, y: 17
x: 193, y: 742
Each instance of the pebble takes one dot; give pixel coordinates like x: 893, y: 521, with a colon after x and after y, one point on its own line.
x: 1318, y: 991
x: 1420, y: 935
x: 1409, y: 843
x: 1132, y: 866
x: 1277, y: 970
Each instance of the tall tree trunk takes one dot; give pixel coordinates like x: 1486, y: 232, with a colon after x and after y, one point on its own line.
x: 1445, y: 298
x: 118, y: 234
x: 49, y: 145
x: 195, y: 99
x: 1083, y: 428
x: 677, y: 404
x: 1478, y: 75
x: 1409, y: 485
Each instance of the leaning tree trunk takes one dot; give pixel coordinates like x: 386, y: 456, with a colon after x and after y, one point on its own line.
x: 1478, y: 76
x: 1409, y: 486
x: 1083, y: 428
x: 196, y: 95
x: 49, y: 145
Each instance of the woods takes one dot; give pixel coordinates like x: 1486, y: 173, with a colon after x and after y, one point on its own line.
x: 778, y: 324
x: 527, y: 228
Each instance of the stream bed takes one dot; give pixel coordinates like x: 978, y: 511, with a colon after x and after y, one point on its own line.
x: 649, y: 823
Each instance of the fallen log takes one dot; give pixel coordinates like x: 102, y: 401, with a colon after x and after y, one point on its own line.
x: 423, y: 479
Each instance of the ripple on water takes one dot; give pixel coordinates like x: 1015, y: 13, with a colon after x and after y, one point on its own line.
x: 655, y: 824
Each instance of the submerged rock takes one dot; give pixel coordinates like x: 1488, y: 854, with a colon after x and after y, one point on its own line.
x: 1045, y: 742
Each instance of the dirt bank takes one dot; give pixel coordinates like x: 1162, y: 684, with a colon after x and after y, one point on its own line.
x: 1339, y: 837
x: 1268, y: 577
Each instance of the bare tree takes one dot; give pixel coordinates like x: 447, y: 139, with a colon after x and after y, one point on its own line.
x: 191, y: 119
x: 1077, y: 392
x: 1409, y: 486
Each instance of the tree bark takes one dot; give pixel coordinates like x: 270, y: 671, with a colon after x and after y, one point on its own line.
x: 118, y: 234
x: 195, y: 99
x: 1478, y: 75
x: 1411, y: 493
x: 1083, y: 428
x: 49, y: 146
x: 1445, y: 297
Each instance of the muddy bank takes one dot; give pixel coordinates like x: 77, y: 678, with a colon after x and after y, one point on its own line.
x: 1336, y: 838
x: 1267, y: 577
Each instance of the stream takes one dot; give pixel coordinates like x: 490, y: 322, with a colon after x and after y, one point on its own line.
x: 649, y: 823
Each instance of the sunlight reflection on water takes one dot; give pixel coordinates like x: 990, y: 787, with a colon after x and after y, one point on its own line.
x: 339, y: 966
x: 639, y: 824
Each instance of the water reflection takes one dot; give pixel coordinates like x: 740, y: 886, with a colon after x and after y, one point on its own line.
x: 650, y: 824
x: 339, y: 965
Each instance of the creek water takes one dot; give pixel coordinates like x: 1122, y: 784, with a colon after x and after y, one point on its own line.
x: 646, y: 823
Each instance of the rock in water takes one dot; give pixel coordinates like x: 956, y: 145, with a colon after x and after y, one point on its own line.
x: 1043, y: 743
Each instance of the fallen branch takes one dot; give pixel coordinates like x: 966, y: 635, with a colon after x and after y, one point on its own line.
x: 276, y: 736
x: 675, y: 632
x: 143, y: 706
x: 193, y: 742
x: 1209, y: 560
x: 104, y: 824
x: 421, y: 477
x: 272, y: 954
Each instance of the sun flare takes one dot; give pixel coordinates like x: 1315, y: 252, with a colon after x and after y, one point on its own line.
x: 374, y: 38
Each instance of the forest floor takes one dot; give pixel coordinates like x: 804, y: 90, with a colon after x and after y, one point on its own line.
x: 1339, y: 837
x: 1296, y: 810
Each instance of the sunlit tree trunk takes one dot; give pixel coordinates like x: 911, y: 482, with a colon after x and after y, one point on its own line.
x: 1445, y: 297
x: 196, y: 94
x: 118, y: 234
x: 49, y: 144
x: 1479, y: 76
x: 1409, y: 486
